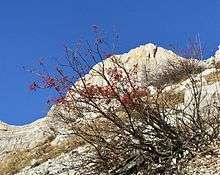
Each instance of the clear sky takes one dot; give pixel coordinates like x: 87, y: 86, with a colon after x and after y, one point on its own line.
x: 31, y: 29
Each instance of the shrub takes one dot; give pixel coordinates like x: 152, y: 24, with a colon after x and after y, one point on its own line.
x: 129, y: 130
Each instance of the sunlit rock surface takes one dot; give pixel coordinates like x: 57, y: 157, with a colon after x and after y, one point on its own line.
x: 150, y: 58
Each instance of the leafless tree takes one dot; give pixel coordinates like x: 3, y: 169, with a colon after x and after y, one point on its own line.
x: 130, y: 130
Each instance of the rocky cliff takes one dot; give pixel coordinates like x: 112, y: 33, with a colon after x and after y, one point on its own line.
x: 43, y: 147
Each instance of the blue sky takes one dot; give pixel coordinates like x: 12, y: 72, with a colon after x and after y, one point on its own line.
x: 32, y: 29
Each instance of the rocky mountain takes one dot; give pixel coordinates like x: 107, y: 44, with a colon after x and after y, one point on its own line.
x: 43, y: 147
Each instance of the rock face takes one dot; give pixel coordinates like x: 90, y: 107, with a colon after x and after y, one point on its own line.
x: 214, y: 59
x: 151, y: 59
x: 66, y: 164
x: 22, y: 137
x: 28, y: 136
x: 209, y: 95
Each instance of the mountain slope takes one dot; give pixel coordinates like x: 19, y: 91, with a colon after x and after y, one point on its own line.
x: 44, y: 145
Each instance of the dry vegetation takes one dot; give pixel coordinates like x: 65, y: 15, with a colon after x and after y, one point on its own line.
x: 177, y: 72
x: 170, y: 98
x: 206, y: 162
x: 213, y: 77
x: 19, y: 159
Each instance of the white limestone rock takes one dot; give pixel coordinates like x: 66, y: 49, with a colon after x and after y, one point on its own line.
x: 209, y: 95
x: 28, y: 136
x: 66, y: 164
x: 150, y: 58
x: 213, y: 59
